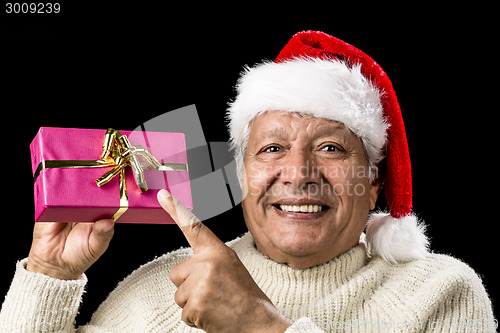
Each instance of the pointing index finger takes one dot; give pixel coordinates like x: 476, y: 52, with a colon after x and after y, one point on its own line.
x: 181, y: 215
x: 196, y: 233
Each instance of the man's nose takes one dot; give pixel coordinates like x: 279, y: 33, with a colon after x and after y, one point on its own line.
x: 299, y: 168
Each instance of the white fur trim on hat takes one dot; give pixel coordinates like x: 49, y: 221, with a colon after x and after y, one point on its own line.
x: 396, y: 240
x: 323, y: 88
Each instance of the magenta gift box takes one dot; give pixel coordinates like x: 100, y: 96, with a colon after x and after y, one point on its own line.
x: 72, y: 195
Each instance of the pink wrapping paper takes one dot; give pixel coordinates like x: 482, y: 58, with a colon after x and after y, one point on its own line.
x: 71, y: 194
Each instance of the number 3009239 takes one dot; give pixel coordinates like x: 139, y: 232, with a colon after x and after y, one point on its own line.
x: 32, y: 8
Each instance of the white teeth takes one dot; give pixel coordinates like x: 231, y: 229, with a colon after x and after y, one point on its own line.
x: 302, y: 208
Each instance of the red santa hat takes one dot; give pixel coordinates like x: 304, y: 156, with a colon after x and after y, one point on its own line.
x: 321, y: 75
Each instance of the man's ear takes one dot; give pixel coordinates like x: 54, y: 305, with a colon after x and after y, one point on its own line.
x: 240, y: 173
x: 375, y: 188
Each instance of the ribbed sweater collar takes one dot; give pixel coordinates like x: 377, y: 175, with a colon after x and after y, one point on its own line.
x: 305, y: 284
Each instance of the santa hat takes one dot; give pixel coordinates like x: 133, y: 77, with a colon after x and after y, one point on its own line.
x: 321, y: 75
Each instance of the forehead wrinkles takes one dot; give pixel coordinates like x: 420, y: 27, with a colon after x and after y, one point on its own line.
x: 289, y: 126
x: 286, y: 132
x: 273, y: 125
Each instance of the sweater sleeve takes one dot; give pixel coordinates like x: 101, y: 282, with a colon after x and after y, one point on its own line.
x: 39, y: 303
x: 466, y: 308
x: 142, y: 302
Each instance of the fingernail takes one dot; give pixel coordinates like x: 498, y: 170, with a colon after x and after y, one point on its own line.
x: 163, y: 195
x: 106, y: 225
x: 108, y: 228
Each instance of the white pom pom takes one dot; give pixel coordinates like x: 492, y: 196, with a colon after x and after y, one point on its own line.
x: 396, y: 240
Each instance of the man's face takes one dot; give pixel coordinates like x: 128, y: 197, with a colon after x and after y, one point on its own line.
x: 306, y: 190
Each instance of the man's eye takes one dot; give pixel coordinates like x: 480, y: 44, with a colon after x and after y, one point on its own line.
x: 330, y: 148
x: 272, y: 149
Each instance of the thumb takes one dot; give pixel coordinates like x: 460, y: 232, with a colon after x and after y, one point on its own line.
x: 102, y: 232
x: 196, y: 233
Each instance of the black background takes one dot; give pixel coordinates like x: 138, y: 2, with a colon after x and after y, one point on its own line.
x: 99, y: 66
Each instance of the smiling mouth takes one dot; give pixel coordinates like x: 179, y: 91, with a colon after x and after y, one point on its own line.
x: 304, y: 209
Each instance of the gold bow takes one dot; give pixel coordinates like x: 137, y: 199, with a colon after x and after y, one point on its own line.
x: 119, y: 153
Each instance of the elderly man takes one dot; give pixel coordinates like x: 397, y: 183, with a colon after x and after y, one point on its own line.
x: 310, y: 133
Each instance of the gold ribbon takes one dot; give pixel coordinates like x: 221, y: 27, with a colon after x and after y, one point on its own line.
x: 118, y: 153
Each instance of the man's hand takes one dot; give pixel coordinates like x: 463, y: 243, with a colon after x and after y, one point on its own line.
x: 214, y: 289
x: 66, y: 250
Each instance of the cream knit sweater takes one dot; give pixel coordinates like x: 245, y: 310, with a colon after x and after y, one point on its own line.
x: 351, y: 293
